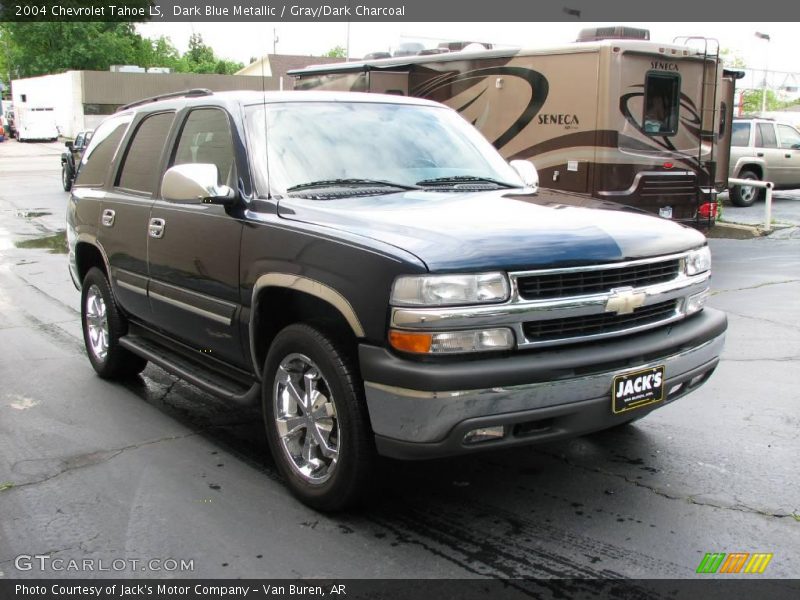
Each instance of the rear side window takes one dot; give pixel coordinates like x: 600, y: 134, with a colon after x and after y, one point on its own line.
x: 661, y: 103
x: 740, y: 134
x: 98, y: 156
x: 790, y: 138
x: 206, y: 138
x: 765, y: 136
x: 140, y: 166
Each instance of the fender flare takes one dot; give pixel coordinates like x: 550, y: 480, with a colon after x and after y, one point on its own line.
x: 308, y: 286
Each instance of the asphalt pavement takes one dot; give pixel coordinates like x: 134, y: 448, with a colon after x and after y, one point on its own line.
x: 785, y: 210
x: 156, y: 470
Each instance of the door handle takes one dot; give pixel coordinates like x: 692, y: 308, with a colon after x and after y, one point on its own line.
x: 760, y: 154
x: 108, y: 218
x: 788, y: 155
x: 156, y: 228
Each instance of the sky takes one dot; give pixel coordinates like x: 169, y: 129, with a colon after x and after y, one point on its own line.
x: 241, y: 41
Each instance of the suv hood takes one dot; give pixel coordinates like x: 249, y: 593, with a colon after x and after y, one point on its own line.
x: 451, y: 231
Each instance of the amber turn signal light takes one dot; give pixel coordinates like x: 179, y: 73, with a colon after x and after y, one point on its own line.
x: 418, y: 343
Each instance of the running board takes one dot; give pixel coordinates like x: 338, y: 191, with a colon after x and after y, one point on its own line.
x: 207, y: 380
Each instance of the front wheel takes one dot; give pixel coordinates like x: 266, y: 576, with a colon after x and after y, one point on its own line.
x: 745, y: 195
x: 103, y: 326
x: 316, y: 419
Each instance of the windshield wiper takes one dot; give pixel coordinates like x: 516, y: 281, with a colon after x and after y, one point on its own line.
x: 350, y: 182
x: 466, y: 179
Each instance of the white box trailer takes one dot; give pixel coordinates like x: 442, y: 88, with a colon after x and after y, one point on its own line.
x: 35, y: 123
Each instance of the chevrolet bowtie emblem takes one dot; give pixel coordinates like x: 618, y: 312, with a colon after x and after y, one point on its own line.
x: 624, y: 301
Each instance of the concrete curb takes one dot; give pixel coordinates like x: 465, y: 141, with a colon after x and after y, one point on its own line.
x: 734, y: 231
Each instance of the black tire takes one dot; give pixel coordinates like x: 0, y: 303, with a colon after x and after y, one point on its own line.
x: 116, y: 362
x: 66, y: 176
x: 750, y: 195
x: 338, y: 384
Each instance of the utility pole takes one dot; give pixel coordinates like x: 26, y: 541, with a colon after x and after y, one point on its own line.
x: 765, y: 37
x: 275, y: 40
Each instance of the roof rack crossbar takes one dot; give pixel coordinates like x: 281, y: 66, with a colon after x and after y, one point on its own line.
x: 182, y: 94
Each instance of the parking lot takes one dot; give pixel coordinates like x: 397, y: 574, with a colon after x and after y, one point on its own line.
x: 157, y: 470
x: 785, y: 212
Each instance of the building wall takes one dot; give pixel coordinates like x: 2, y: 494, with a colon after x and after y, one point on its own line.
x: 105, y: 87
x: 82, y: 99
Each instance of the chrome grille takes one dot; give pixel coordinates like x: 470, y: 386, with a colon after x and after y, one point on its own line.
x: 579, y: 283
x: 604, y: 323
x: 567, y: 305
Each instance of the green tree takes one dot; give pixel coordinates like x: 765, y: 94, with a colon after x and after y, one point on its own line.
x: 731, y: 60
x: 50, y: 47
x: 40, y: 48
x: 336, y: 52
x: 751, y: 102
x: 200, y: 58
x: 159, y: 53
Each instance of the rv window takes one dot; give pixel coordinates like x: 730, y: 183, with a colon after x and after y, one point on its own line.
x: 740, y: 134
x: 661, y: 103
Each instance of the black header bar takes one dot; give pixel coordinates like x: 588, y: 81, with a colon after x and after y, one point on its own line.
x: 400, y: 10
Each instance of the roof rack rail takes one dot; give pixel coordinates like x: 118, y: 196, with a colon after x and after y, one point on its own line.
x: 182, y: 94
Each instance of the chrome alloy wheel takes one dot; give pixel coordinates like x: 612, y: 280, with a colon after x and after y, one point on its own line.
x: 97, y: 323
x: 305, y: 418
x: 747, y: 193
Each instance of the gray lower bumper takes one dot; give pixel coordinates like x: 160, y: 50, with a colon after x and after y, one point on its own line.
x: 420, y: 424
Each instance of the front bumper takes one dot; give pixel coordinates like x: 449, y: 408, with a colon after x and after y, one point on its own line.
x: 424, y: 410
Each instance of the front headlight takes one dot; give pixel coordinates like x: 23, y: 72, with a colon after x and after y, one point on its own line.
x: 449, y: 290
x: 698, y: 261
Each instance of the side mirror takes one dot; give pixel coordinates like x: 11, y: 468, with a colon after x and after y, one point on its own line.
x: 69, y: 145
x: 527, y: 172
x: 195, y: 183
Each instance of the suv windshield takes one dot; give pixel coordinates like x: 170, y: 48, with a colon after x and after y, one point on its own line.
x: 332, y: 144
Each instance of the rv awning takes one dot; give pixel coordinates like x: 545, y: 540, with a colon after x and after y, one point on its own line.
x: 392, y: 64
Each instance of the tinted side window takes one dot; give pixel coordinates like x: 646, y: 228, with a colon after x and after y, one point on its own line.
x: 98, y: 156
x: 765, y: 136
x: 790, y: 138
x: 740, y: 134
x: 206, y: 138
x: 140, y: 166
x: 661, y: 103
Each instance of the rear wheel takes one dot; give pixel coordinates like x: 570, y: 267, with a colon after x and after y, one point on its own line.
x: 66, y: 176
x: 745, y: 195
x: 316, y: 419
x: 103, y: 326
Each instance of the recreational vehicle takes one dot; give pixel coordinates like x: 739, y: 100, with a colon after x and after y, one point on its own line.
x: 632, y: 121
